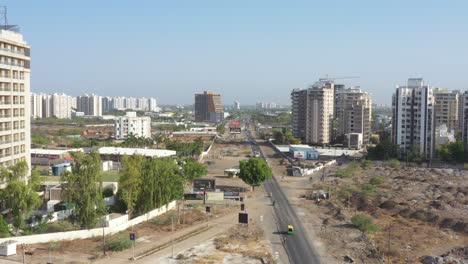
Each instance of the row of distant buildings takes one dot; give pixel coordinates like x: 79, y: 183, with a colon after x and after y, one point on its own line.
x: 424, y: 117
x: 60, y: 105
x: 329, y: 113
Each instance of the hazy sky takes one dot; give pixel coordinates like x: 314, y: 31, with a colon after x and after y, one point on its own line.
x: 250, y: 50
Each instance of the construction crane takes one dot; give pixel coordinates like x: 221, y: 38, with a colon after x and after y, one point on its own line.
x: 327, y: 78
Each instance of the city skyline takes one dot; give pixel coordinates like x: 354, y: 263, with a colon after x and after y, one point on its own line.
x: 242, y: 50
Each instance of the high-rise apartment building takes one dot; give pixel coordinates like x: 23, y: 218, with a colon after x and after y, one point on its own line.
x: 315, y: 106
x: 446, y: 109
x: 89, y: 104
x: 131, y: 103
x: 61, y: 105
x: 152, y: 105
x: 51, y: 105
x: 413, y: 118
x: 36, y: 105
x: 15, y: 129
x: 107, y: 104
x: 353, y: 113
x: 208, y: 107
x: 131, y: 124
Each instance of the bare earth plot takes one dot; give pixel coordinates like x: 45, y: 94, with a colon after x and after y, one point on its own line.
x: 419, y: 213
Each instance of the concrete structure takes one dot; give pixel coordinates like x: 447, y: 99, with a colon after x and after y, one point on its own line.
x: 51, y: 105
x: 443, y: 135
x: 413, y: 118
x: 446, y: 109
x: 353, y: 113
x: 131, y: 124
x: 152, y: 153
x: 89, y: 104
x: 354, y: 140
x: 303, y: 152
x: 208, y: 107
x: 89, y: 233
x: 312, y: 112
x: 266, y: 105
x: 15, y: 102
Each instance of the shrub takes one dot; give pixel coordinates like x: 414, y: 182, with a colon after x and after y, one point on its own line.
x: 394, y: 163
x: 108, y: 192
x: 364, y: 223
x: 119, y: 243
x: 365, y: 164
x: 4, y: 229
x: 367, y: 190
x: 376, y: 181
x: 343, y: 173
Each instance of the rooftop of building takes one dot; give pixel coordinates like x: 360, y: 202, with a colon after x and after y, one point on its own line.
x: 140, y: 151
x: 54, y: 151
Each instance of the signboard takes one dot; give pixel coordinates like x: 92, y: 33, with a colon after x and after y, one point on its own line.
x: 132, y: 236
x: 298, y: 154
x: 208, y: 185
x: 231, y: 195
x: 208, y: 209
x: 243, y: 218
x: 235, y: 123
x: 193, y: 196
x: 214, y: 196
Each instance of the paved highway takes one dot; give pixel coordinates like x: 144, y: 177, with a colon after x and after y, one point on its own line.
x: 298, y: 247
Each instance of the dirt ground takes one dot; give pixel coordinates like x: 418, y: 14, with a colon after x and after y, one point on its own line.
x: 240, y: 245
x: 419, y: 212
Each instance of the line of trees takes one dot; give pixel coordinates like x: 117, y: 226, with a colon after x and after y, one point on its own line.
x: 146, y: 184
x: 193, y: 148
x: 285, y: 136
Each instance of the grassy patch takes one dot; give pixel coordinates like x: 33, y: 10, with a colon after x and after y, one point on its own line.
x: 50, y: 178
x: 364, y: 223
x: 110, y: 176
x: 119, y: 242
x: 376, y: 181
x: 164, y: 219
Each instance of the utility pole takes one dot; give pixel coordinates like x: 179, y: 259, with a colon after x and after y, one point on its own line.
x: 103, y: 239
x: 133, y: 244
x: 172, y: 223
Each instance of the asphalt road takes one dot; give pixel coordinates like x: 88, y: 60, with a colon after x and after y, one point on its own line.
x: 297, y: 245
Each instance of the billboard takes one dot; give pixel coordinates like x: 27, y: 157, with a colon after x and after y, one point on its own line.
x: 214, y: 196
x: 299, y: 154
x: 235, y: 123
x: 208, y: 185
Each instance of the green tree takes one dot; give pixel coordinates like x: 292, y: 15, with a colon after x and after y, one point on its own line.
x: 4, y: 229
x: 192, y: 169
x: 221, y: 129
x: 83, y: 188
x: 384, y: 150
x: 130, y: 180
x: 254, y: 171
x: 161, y: 184
x: 18, y: 196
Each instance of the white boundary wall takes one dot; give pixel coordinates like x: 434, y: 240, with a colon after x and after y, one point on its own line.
x: 82, y: 234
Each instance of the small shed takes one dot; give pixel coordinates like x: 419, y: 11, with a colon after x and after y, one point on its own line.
x: 303, y: 152
x: 58, y: 169
x: 8, y: 248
